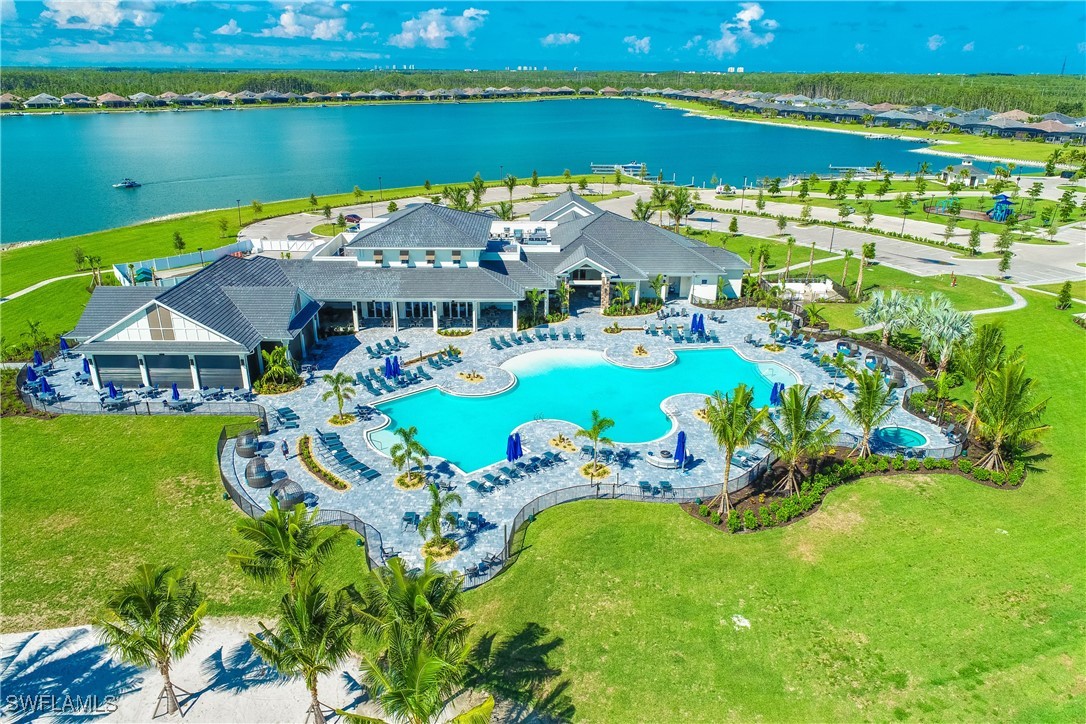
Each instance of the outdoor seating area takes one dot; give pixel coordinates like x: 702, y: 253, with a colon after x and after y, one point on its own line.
x: 549, y: 334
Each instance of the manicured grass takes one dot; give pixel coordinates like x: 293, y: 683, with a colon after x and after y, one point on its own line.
x: 742, y: 245
x: 915, y: 597
x: 327, y: 229
x: 1078, y: 288
x: 1069, y: 187
x: 57, y: 306
x: 897, y: 186
x: 86, y: 499
x: 956, y: 143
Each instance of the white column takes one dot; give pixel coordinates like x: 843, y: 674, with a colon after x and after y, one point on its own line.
x: 354, y: 314
x: 245, y: 381
x: 195, y: 373
x: 475, y: 316
x: 316, y: 327
x: 514, y: 316
x: 637, y: 294
x: 395, y: 317
x: 260, y: 360
x: 301, y: 340
x: 433, y: 314
x: 286, y: 346
x: 96, y: 379
x: 690, y: 290
x: 546, y: 303
x: 146, y: 378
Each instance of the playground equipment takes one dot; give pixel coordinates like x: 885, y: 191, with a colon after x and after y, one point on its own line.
x: 948, y: 204
x: 1003, y: 208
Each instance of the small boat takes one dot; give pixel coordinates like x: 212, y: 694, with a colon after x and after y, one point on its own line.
x: 127, y: 183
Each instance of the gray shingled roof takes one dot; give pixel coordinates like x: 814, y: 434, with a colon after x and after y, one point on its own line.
x: 109, y: 305
x: 341, y: 281
x: 525, y: 273
x: 552, y: 210
x: 427, y: 226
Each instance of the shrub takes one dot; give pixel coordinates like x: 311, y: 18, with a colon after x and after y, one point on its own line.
x: 982, y: 474
x: 765, y: 517
x: 912, y: 465
x: 898, y: 463
x: 749, y: 521
x: 703, y: 511
x: 929, y: 463
x: 999, y: 478
x: 882, y: 464
x: 733, y: 521
x: 1017, y: 473
x: 714, y: 518
x: 965, y: 465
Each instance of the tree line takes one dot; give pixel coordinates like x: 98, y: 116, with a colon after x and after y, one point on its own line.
x: 1034, y: 94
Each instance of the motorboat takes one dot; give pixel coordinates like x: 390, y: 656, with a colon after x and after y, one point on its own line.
x: 127, y: 183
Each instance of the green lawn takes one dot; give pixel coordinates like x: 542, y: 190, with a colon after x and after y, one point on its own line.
x: 897, y: 186
x: 85, y: 499
x: 1069, y: 187
x: 742, y: 245
x: 57, y: 306
x: 1078, y: 288
x: 916, y: 597
x: 966, y: 145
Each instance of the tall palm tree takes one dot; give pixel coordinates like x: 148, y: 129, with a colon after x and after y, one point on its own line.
x: 867, y: 254
x: 153, y: 620
x: 924, y: 315
x: 341, y: 389
x: 734, y: 423
x: 311, y: 638
x: 562, y: 292
x: 985, y: 353
x: 535, y: 298
x: 510, y: 183
x: 890, y: 309
x: 408, y: 452
x: 952, y: 328
x: 456, y: 197
x: 277, y: 366
x: 642, y: 210
x: 660, y: 196
x: 1009, y: 416
x: 439, y: 513
x: 504, y: 210
x: 283, y: 544
x: 789, y: 245
x: 871, y: 405
x: 678, y: 205
x: 844, y: 271
x: 594, y: 432
x: 763, y: 259
x: 799, y: 432
x: 478, y: 188
x: 657, y: 284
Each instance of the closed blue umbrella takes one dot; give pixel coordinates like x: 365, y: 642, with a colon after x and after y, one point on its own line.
x: 45, y: 388
x: 509, y: 442
x: 86, y: 366
x: 396, y: 366
x: 388, y: 368
x: 173, y: 391
x: 112, y: 390
x: 680, y: 449
x: 31, y: 375
x: 518, y: 449
x: 773, y: 395
x: 38, y: 361
x: 63, y: 345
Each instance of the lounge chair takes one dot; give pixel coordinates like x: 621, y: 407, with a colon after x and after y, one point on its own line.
x: 578, y: 334
x: 400, y: 343
x: 646, y: 488
x: 453, y: 356
x: 370, y: 352
x: 493, y: 479
x: 515, y: 338
x: 480, y: 488
x: 509, y: 472
x: 524, y: 468
x: 495, y: 344
x: 666, y: 489
x: 410, y: 519
x: 586, y: 451
x: 652, y: 329
x: 565, y: 334
x: 540, y: 335
x: 421, y: 372
x: 505, y: 342
x: 527, y: 338
x: 713, y: 338
x: 676, y: 337
x: 553, y: 334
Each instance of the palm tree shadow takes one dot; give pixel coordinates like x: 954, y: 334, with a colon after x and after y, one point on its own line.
x: 516, y: 671
x: 235, y: 671
x: 67, y: 680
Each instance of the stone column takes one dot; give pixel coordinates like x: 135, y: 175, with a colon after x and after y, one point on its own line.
x: 637, y: 294
x: 605, y: 292
x: 195, y: 373
x: 146, y: 378
x: 301, y: 340
x: 515, y: 305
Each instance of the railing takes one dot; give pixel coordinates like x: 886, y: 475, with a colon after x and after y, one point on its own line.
x: 179, y: 261
x: 370, y: 536
x: 948, y: 451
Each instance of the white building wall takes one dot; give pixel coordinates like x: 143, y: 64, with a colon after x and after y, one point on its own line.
x: 138, y: 329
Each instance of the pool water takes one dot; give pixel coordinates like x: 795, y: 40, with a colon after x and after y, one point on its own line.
x: 471, y: 432
x: 901, y: 437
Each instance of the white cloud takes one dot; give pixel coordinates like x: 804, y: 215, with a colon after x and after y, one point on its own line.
x: 231, y: 28
x: 7, y: 10
x: 692, y: 42
x: 433, y: 28
x: 741, y: 30
x: 99, y: 14
x: 968, y: 47
x: 860, y: 47
x: 294, y: 23
x: 560, y: 39
x: 636, y: 45
x: 935, y: 42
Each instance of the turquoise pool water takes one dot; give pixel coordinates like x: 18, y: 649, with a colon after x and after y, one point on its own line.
x: 471, y: 432
x: 901, y: 437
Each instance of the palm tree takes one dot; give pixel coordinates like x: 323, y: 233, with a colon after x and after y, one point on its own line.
x: 678, y: 205
x: 815, y: 313
x: 657, y: 285
x: 535, y: 298
x: 342, y: 390
x: 153, y: 620
x: 439, y: 513
x: 939, y: 386
x: 311, y: 638
x: 924, y: 315
x: 408, y: 452
x: 763, y: 259
x: 624, y: 291
x: 867, y: 253
x: 563, y: 292
x: 478, y: 188
x: 799, y: 432
x: 952, y: 328
x: 510, y: 183
x: 1009, y: 414
x: 456, y: 197
x: 891, y: 310
x: 504, y: 210
x: 844, y: 271
x: 734, y: 423
x: 594, y: 432
x: 871, y: 405
x: 985, y: 353
x: 642, y: 210
x: 660, y: 196
x: 789, y: 244
x: 277, y: 366
x: 283, y: 544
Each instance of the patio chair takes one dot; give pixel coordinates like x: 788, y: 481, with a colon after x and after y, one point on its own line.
x: 479, y: 488
x: 652, y: 330
x: 493, y: 479
x: 526, y: 338
x: 586, y: 451
x: 713, y: 338
x: 565, y: 334
x: 495, y: 344
x: 676, y: 337
x: 371, y: 353
x: 540, y: 335
x: 410, y: 519
x: 515, y: 339
x: 400, y: 344
x: 525, y: 468
x: 645, y: 487
x: 553, y: 334
x: 421, y: 372
x: 509, y: 472
x: 578, y: 334
x: 666, y: 489
x: 453, y: 356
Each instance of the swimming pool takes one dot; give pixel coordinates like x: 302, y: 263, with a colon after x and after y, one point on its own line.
x: 901, y: 437
x: 471, y: 432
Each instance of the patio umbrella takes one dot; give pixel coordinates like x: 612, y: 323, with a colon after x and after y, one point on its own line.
x: 396, y: 366
x: 86, y: 366
x: 388, y: 368
x: 63, y: 345
x: 112, y: 390
x: 509, y: 443
x: 38, y: 361
x: 680, y: 449
x: 173, y: 391
x: 773, y: 395
x: 31, y: 375
x: 45, y: 388
x: 518, y: 449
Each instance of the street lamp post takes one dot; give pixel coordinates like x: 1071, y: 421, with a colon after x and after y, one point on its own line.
x: 239, y: 213
x: 743, y: 194
x: 201, y: 250
x: 833, y: 232
x: 380, y: 188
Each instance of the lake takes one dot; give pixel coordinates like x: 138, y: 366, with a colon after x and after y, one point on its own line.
x: 57, y: 171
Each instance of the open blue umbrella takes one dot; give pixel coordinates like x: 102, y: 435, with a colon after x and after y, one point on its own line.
x: 31, y: 375
x: 112, y: 389
x: 38, y: 361
x: 63, y: 345
x: 518, y: 449
x: 86, y: 366
x: 173, y: 391
x: 396, y: 366
x: 680, y: 449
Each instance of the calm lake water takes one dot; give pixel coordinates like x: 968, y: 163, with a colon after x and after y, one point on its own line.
x: 57, y: 172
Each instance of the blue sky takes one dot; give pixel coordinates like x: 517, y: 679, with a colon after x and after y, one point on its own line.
x: 922, y: 37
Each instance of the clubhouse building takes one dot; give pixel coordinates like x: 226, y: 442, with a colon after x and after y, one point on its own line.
x: 422, y: 266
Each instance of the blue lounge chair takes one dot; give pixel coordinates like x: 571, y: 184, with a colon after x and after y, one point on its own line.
x: 399, y: 343
x: 565, y: 334
x: 421, y: 372
x: 578, y: 334
x: 666, y: 489
x: 526, y: 338
x: 540, y: 335
x: 510, y: 472
x: 553, y: 334
x: 646, y: 488
x: 713, y: 338
x: 494, y: 343
x: 493, y: 479
x: 515, y: 338
x: 652, y: 330
x: 480, y: 488
x: 371, y: 353
x: 453, y: 356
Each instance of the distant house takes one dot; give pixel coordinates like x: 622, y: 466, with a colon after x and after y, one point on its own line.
x: 7, y: 100
x: 586, y: 91
x: 1015, y: 115
x: 1055, y: 132
x: 966, y: 173
x: 42, y: 100
x: 76, y: 100
x: 189, y: 99
x: 897, y: 119
x: 112, y: 100
x: 627, y: 91
x: 144, y: 99
x: 565, y: 207
x: 1060, y: 117
x: 220, y: 98
x: 245, y: 97
x: 168, y: 96
x: 271, y: 96
x: 314, y: 96
x: 379, y: 95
